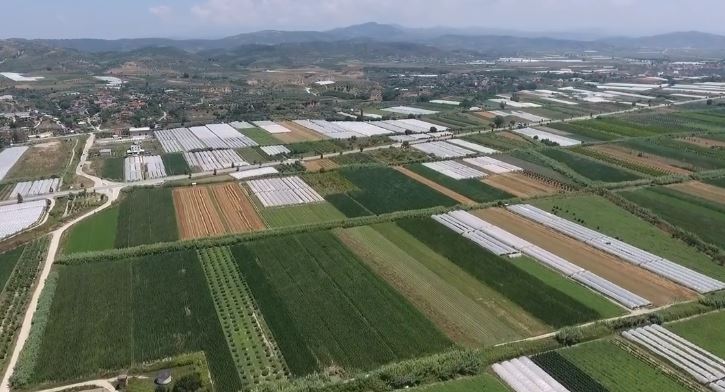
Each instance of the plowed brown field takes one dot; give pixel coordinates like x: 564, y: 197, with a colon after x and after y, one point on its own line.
x: 637, y: 280
x: 319, y: 164
x: 703, y: 142
x: 434, y: 185
x: 298, y: 134
x: 520, y: 185
x: 214, y: 210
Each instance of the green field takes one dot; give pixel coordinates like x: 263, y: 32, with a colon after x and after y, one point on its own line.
x: 716, y: 181
x: 469, y: 312
x: 589, y: 168
x: 254, y: 155
x: 617, y: 370
x: 498, y: 142
x: 383, y: 190
x: 705, y: 331
x: 305, y: 214
x: 262, y: 137
x: 175, y: 164
x: 347, y: 205
x: 252, y: 345
x: 603, y: 306
x: 483, y: 383
x: 106, y: 316
x: 584, y: 130
x: 323, y: 306
x: 8, y: 261
x: 599, y: 214
x: 702, y: 217
x: 547, y: 303
x: 146, y: 216
x: 97, y: 232
x: 112, y: 168
x: 566, y: 373
x: 358, y: 158
x: 328, y: 183
x: 473, y: 189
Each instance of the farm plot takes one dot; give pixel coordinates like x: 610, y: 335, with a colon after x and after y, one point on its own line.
x: 8, y: 261
x: 454, y: 170
x: 304, y: 214
x: 175, y: 164
x: 214, y: 160
x: 705, y: 331
x: 319, y: 316
x: 703, y: 142
x: 705, y: 367
x: 468, y: 312
x: 383, y: 190
x: 95, y: 233
x: 18, y: 217
x: 408, y: 110
x: 483, y: 383
x: 597, y: 213
x: 43, y: 160
x: 264, y: 138
x: 694, y: 157
x: 492, y: 165
x: 275, y: 150
x: 277, y: 192
x: 702, y: 190
x: 178, y: 140
x: 651, y: 262
x: 229, y: 136
x: 589, y: 168
x: 699, y: 216
x: 16, y: 293
x: 583, y: 131
x: 540, y: 135
x: 272, y: 127
x: 214, y: 210
x: 255, y: 353
x: 34, y: 188
x: 637, y: 280
x: 327, y: 129
x: 143, y: 309
x: 146, y: 216
x: 502, y: 141
x: 539, y: 299
x: 298, y: 133
x: 645, y: 163
x: 566, y: 373
x: 443, y: 149
x: 522, y: 185
x: 617, y: 370
x: 320, y: 165
x: 470, y: 188
x: 472, y: 146
x: 503, y: 243
x: 8, y: 158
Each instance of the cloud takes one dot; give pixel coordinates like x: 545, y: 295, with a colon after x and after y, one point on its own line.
x: 161, y: 11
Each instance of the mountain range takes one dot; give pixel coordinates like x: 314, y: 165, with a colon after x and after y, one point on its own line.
x: 480, y: 40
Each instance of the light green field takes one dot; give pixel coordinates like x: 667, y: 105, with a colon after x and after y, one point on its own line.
x: 617, y: 370
x: 707, y: 331
x: 483, y: 383
x: 466, y: 310
x: 300, y: 215
x: 592, y: 300
x: 97, y: 232
x: 601, y: 215
x: 261, y: 136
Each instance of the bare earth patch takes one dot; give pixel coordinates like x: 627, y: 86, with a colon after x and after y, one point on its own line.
x: 520, y: 185
x: 642, y: 159
x: 699, y: 189
x: 637, y: 280
x: 298, y: 134
x: 438, y: 187
x: 319, y: 164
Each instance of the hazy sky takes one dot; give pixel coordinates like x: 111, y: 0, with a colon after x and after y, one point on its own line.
x: 215, y: 18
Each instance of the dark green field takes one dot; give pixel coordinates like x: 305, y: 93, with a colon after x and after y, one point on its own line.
x: 106, y: 316
x: 111, y: 168
x: 473, y: 189
x: 539, y: 299
x: 8, y: 261
x: 347, y: 205
x: 324, y: 306
x: 698, y: 158
x: 498, y: 142
x: 699, y: 216
x: 146, y: 216
x: 383, y: 190
x: 175, y: 164
x: 589, y: 168
x: 97, y: 232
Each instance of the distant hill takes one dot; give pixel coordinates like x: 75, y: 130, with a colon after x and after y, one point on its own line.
x: 677, y: 40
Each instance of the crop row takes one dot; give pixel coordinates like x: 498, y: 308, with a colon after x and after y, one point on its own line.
x: 146, y: 216
x: 253, y: 349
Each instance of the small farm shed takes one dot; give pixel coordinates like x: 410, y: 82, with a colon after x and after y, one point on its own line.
x: 163, y: 377
x: 139, y: 132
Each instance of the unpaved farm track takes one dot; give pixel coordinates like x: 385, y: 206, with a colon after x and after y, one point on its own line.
x: 646, y: 284
x: 214, y: 210
x: 520, y: 185
x: 699, y: 189
x: 438, y: 187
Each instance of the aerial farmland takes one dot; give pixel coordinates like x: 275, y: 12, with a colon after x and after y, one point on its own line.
x: 368, y: 215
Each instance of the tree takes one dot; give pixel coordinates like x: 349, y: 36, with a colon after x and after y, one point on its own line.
x: 20, y: 198
x: 709, y: 102
x: 433, y: 129
x: 188, y: 383
x: 499, y: 121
